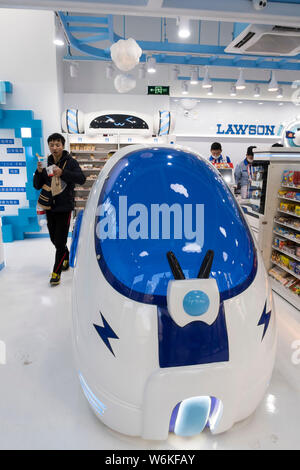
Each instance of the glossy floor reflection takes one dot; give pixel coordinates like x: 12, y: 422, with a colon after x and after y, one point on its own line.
x: 41, y: 403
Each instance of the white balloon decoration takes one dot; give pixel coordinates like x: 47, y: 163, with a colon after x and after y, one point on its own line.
x: 124, y: 83
x: 126, y: 54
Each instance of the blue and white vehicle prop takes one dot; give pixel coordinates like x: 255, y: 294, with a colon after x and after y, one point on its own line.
x: 174, y: 327
x: 73, y: 121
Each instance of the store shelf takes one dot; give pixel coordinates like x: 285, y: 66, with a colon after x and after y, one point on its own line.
x: 287, y: 225
x: 287, y: 237
x: 289, y: 213
x: 285, y: 292
x: 91, y: 160
x: 287, y: 270
x: 93, y: 152
x: 91, y: 169
x: 289, y: 255
x: 290, y: 186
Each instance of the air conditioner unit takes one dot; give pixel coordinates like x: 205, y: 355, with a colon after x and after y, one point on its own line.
x: 266, y: 40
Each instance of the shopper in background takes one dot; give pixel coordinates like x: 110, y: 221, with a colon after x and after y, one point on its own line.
x: 243, y: 173
x: 64, y: 174
x: 216, y: 154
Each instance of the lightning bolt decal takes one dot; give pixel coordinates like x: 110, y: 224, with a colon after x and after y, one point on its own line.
x: 265, y: 320
x: 106, y: 332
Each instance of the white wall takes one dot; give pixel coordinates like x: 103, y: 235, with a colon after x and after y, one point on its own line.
x: 89, y: 102
x: 28, y: 60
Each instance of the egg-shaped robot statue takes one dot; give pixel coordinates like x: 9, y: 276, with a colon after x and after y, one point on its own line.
x: 174, y: 328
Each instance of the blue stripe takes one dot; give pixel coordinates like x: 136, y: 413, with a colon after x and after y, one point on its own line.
x: 15, y: 150
x: 11, y: 189
x: 2, y: 265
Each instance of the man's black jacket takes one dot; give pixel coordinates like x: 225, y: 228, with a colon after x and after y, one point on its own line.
x: 72, y: 174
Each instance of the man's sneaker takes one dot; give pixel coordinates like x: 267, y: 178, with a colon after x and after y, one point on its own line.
x: 55, y: 279
x: 65, y: 265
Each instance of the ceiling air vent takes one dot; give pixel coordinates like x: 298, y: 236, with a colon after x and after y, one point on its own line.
x: 266, y: 40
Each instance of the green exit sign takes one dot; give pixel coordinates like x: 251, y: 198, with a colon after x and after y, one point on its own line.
x: 158, y: 90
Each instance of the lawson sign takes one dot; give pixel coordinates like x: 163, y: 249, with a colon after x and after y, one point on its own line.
x: 246, y: 129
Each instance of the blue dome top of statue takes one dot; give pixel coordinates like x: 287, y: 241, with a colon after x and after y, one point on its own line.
x: 165, y: 199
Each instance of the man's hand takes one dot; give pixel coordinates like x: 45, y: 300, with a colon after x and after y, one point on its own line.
x: 39, y: 165
x: 57, y: 171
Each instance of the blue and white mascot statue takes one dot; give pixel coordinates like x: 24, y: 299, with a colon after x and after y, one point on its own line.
x: 174, y: 327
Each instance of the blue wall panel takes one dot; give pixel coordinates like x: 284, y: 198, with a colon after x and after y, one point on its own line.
x: 14, y: 227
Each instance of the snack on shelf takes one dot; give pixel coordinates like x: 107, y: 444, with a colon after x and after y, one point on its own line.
x: 295, y: 288
x: 280, y: 242
x: 282, y: 219
x: 281, y: 231
x: 285, y: 261
x: 281, y: 192
x: 291, y: 177
x: 275, y: 257
x: 297, y: 252
x: 297, y: 210
x: 280, y: 275
x: 285, y: 176
x: 296, y: 179
x: 291, y: 194
x: 297, y: 269
x: 290, y: 249
x: 284, y: 206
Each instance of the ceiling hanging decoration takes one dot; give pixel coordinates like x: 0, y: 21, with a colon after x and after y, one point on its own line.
x: 124, y: 83
x: 126, y: 54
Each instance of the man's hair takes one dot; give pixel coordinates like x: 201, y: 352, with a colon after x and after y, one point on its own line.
x: 277, y: 145
x: 250, y: 150
x: 216, y: 146
x: 58, y: 137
